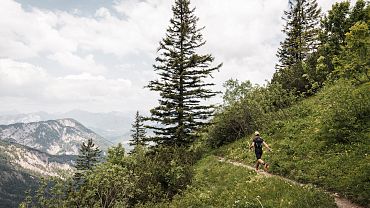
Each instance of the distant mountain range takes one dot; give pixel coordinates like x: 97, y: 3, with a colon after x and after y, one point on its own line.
x: 114, y: 126
x: 56, y: 137
x: 31, y: 150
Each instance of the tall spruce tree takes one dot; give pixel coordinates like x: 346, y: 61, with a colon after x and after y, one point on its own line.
x: 88, y: 157
x: 182, y: 81
x: 138, y: 131
x: 301, y: 29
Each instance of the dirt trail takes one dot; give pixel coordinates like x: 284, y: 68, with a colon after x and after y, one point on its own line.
x: 340, y: 201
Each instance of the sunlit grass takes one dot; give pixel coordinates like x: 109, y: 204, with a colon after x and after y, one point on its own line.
x: 219, y: 184
x: 303, y: 153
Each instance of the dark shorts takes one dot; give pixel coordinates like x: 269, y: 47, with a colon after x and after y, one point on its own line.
x: 258, y: 153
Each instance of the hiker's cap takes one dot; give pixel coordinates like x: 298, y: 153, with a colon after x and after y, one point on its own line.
x: 256, y: 133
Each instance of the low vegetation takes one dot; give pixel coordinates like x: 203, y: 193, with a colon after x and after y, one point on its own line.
x: 324, y: 140
x: 219, y: 184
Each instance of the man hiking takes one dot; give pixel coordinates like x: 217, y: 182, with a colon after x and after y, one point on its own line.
x: 257, y: 144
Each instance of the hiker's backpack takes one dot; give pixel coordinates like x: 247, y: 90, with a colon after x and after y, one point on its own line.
x: 258, y: 142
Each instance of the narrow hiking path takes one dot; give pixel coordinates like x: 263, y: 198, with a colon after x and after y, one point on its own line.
x: 339, y: 201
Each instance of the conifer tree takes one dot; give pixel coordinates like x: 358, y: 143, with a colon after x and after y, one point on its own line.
x: 301, y: 29
x: 138, y: 131
x: 182, y: 81
x: 335, y: 25
x: 88, y: 157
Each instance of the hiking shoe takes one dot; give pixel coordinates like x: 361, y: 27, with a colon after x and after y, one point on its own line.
x: 266, y: 167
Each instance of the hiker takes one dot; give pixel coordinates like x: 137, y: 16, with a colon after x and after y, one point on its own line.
x: 257, y: 144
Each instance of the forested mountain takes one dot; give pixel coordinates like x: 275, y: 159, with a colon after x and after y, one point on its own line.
x: 21, y: 167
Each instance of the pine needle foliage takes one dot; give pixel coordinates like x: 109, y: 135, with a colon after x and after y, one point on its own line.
x: 182, y: 82
x: 138, y: 131
x: 88, y: 157
x: 301, y: 29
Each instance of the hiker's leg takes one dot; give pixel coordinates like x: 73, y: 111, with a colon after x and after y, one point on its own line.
x: 265, y: 165
x: 261, y: 161
x: 257, y: 165
x: 258, y: 156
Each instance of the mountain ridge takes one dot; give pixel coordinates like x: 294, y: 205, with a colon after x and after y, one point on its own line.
x: 113, y: 126
x: 56, y: 137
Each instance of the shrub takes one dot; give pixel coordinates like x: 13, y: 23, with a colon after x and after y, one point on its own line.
x: 122, y: 181
x: 347, y: 112
x: 246, y: 109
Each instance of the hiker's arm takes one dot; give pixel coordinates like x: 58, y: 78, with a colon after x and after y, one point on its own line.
x: 251, y: 146
x: 266, y: 145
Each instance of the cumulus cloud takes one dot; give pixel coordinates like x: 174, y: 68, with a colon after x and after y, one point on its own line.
x: 78, y: 63
x: 27, y: 34
x: 245, y: 37
x: 19, y: 79
x: 102, y: 61
x: 87, y: 87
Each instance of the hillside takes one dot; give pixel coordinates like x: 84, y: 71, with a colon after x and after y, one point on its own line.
x: 310, y: 146
x: 35, y: 161
x: 57, y: 137
x: 323, y: 140
x: 219, y: 184
x: 21, y: 167
x: 14, y: 184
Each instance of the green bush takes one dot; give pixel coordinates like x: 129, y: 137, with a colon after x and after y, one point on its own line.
x: 234, y: 122
x: 145, y: 176
x: 155, y: 174
x: 172, y: 168
x: 246, y: 109
x: 347, y: 112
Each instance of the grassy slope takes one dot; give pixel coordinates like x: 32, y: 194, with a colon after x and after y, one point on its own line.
x: 303, y: 153
x: 219, y: 184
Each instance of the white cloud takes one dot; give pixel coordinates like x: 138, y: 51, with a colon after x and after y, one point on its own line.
x: 245, y: 37
x: 21, y: 79
x: 62, y: 60
x: 27, y: 34
x: 78, y: 63
x: 86, y: 87
x: 29, y: 82
x: 103, y: 13
x: 138, y: 33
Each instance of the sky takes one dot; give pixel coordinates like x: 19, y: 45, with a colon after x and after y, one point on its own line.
x: 97, y: 55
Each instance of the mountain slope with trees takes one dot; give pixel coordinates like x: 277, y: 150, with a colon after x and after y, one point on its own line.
x: 323, y: 140
x: 319, y: 127
x: 22, y: 167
